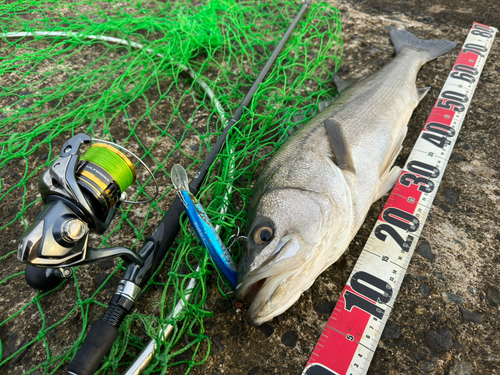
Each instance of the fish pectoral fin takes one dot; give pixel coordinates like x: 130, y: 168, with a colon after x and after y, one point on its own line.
x: 342, y: 84
x: 394, y: 152
x: 422, y: 92
x: 341, y: 150
x: 388, y: 182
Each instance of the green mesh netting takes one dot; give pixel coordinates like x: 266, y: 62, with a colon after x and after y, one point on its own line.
x: 72, y: 80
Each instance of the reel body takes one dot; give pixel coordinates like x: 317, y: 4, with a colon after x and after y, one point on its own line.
x: 80, y: 195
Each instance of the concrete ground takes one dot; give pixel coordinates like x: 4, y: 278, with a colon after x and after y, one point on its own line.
x: 446, y: 317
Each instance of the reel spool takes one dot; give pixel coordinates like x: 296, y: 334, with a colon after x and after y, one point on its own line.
x: 81, y: 193
x: 104, y: 173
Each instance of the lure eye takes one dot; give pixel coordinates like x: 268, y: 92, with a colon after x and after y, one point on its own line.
x: 263, y: 235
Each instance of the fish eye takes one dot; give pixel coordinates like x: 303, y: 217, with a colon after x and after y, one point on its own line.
x: 263, y: 235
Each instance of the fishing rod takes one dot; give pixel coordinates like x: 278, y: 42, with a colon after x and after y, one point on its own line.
x: 104, y: 331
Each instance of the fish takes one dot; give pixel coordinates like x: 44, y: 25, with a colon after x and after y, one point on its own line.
x: 315, y: 192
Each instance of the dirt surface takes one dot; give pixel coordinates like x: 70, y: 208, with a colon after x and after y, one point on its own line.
x: 446, y: 316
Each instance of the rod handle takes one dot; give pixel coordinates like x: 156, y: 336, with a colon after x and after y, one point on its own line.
x: 97, y: 344
x: 101, y: 337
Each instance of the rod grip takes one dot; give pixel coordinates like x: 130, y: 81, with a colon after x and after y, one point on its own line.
x: 97, y: 344
x: 101, y: 337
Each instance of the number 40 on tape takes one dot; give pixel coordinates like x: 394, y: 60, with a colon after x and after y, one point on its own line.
x: 353, y: 331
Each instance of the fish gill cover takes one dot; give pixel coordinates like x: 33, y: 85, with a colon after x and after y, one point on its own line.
x: 53, y: 87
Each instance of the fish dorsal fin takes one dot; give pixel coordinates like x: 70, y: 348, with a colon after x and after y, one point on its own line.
x: 342, y: 84
x: 324, y: 105
x: 340, y: 147
x: 301, y: 115
x: 422, y: 92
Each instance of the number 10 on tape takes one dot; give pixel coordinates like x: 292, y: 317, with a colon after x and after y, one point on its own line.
x: 353, y: 331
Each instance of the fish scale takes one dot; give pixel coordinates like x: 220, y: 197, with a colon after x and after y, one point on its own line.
x: 353, y: 331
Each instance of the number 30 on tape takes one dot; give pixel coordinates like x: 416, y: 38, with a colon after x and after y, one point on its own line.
x: 353, y: 331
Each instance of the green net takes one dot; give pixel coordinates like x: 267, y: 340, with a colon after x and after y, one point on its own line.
x: 117, y: 70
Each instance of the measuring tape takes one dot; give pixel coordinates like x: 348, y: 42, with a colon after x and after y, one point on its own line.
x: 353, y: 331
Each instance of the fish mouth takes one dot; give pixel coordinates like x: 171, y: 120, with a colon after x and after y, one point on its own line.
x: 260, y: 287
x: 260, y: 295
x: 254, y: 281
x: 254, y: 290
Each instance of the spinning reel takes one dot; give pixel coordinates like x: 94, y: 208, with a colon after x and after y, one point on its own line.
x: 81, y: 194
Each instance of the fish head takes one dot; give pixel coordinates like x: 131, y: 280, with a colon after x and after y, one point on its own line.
x: 289, y: 243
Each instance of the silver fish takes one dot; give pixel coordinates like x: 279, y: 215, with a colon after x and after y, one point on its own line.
x: 314, y: 194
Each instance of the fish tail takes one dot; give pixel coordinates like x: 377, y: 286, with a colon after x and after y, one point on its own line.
x: 433, y: 48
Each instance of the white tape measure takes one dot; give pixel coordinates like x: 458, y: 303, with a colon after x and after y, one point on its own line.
x: 353, y: 331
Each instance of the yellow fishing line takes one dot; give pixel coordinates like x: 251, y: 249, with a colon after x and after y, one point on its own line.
x: 114, y: 162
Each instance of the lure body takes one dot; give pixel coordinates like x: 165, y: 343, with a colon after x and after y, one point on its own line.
x: 203, y: 226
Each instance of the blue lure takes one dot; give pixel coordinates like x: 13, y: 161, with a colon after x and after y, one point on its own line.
x: 203, y: 227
